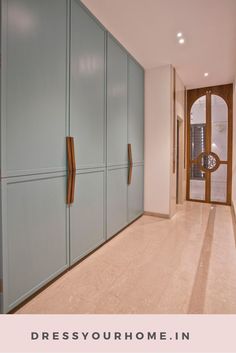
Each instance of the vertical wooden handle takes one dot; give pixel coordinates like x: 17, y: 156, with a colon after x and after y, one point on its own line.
x: 130, y: 161
x: 71, y: 169
x: 73, y: 154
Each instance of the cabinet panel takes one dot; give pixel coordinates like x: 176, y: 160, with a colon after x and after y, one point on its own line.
x: 87, y: 214
x: 35, y: 86
x: 136, y: 110
x: 116, y: 200
x: 135, y: 193
x: 36, y: 100
x: 36, y: 236
x: 87, y: 91
x: 116, y: 104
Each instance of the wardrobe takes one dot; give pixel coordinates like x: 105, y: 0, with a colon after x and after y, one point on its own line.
x: 72, y: 128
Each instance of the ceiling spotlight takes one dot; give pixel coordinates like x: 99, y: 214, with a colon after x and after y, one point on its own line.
x: 179, y: 34
x: 181, y: 41
x: 206, y: 74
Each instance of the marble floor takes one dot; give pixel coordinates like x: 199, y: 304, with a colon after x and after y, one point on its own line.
x: 155, y: 266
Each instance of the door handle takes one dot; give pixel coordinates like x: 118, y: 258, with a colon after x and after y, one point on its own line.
x: 71, y: 172
x: 130, y: 162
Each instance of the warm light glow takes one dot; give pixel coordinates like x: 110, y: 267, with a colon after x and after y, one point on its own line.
x: 179, y: 34
x: 206, y: 74
x: 181, y: 41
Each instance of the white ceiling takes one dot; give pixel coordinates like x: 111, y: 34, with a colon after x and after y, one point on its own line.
x: 148, y: 28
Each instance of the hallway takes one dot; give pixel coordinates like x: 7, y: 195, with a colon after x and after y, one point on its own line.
x: 155, y: 266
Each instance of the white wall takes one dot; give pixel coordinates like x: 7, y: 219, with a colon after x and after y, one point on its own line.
x: 160, y: 181
x: 157, y: 140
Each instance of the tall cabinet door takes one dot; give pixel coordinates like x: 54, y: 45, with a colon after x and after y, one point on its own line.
x: 116, y: 137
x: 34, y: 86
x: 33, y: 163
x: 87, y: 126
x: 136, y: 137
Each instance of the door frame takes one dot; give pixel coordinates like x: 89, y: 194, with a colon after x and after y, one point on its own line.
x: 179, y: 160
x: 225, y: 92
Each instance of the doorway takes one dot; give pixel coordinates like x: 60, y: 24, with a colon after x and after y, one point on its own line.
x: 209, y: 144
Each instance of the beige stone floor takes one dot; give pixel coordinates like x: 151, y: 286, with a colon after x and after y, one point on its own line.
x: 155, y: 266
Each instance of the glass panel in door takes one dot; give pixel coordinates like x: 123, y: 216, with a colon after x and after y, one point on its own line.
x: 197, y: 146
x: 219, y: 184
x: 197, y: 183
x: 219, y: 127
x: 219, y: 145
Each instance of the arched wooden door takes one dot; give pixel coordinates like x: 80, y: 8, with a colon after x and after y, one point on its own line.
x: 209, y: 144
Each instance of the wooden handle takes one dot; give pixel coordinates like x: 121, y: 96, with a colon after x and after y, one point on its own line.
x: 69, y: 172
x: 73, y: 163
x: 130, y: 160
x: 71, y: 169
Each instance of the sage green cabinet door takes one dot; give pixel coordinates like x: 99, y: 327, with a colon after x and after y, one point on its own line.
x: 87, y: 88
x: 87, y: 214
x: 116, y: 104
x: 136, y: 110
x: 35, y: 237
x: 34, y: 84
x: 87, y: 126
x: 116, y: 200
x: 135, y: 193
x: 136, y: 137
x: 117, y: 158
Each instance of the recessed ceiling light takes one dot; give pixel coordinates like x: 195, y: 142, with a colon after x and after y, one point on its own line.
x: 206, y: 74
x: 181, y: 40
x: 179, y: 34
